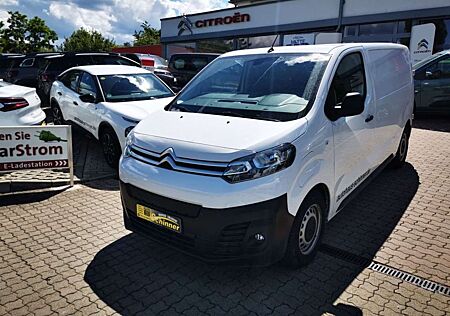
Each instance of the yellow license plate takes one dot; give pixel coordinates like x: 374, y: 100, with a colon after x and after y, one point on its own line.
x: 158, y: 218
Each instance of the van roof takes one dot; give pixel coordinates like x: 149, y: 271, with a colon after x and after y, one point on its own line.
x: 322, y: 48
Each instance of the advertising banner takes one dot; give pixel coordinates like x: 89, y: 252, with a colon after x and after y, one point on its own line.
x: 422, y: 41
x: 35, y: 147
x: 298, y: 39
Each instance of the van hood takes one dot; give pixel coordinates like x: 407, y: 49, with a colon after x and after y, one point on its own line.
x: 209, y: 137
x: 137, y: 110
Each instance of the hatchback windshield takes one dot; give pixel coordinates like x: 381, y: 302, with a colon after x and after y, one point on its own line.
x: 133, y: 87
x: 277, y: 87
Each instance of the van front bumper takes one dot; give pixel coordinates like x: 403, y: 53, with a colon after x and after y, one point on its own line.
x: 215, y: 235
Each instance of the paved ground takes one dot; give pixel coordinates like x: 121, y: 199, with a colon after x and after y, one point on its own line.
x: 68, y: 253
x: 88, y: 164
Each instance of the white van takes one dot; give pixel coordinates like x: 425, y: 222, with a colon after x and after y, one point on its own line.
x: 264, y: 146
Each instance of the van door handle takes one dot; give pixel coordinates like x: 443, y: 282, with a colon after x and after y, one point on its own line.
x: 369, y: 118
x: 59, y: 93
x: 75, y: 103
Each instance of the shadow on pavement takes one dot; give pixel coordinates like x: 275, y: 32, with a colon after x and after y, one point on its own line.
x: 135, y: 274
x: 432, y: 122
x: 29, y: 197
x: 109, y: 184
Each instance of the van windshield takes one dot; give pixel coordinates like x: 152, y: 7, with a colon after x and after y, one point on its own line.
x: 279, y: 87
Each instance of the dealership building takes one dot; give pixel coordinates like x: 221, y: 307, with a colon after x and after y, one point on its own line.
x: 253, y: 23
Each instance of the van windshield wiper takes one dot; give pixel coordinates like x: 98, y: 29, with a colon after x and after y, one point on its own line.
x: 238, y: 101
x: 182, y: 108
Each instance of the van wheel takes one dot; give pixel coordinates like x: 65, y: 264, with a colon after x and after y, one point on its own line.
x: 111, y: 147
x: 57, y: 115
x: 402, y: 151
x: 307, y: 231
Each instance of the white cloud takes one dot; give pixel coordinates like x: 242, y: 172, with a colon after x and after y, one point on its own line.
x: 3, y: 17
x: 100, y: 20
x: 10, y: 2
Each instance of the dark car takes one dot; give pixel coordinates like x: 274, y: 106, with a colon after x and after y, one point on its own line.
x: 432, y: 84
x: 54, y: 65
x: 185, y: 66
x: 7, y: 61
x: 24, y: 70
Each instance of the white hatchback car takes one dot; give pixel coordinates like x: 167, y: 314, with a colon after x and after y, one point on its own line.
x: 19, y: 106
x: 107, y: 101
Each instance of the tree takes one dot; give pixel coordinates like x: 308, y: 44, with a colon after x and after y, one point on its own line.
x: 86, y: 40
x: 39, y: 35
x: 148, y: 35
x: 24, y: 36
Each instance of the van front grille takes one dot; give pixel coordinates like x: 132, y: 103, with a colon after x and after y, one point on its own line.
x: 168, y: 160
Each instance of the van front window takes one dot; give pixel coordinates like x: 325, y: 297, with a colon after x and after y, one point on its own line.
x: 279, y: 87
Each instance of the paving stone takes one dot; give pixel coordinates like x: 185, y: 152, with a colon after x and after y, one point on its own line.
x: 68, y: 253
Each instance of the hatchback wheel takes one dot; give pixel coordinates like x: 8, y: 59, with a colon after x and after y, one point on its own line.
x: 111, y: 147
x: 57, y: 115
x: 307, y: 230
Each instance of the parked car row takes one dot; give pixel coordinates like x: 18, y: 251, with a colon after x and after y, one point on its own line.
x: 39, y: 70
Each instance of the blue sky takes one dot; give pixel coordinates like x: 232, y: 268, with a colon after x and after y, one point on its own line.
x: 115, y: 19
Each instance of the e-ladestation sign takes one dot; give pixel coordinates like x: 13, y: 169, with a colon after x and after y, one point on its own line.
x: 36, y: 147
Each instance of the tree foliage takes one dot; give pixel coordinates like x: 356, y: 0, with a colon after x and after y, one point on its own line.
x: 148, y: 35
x: 23, y: 35
x: 86, y: 40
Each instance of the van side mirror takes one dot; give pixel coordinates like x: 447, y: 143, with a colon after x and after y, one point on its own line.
x: 352, y: 104
x: 88, y: 98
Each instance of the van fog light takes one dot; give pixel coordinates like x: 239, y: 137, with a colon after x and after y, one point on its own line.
x: 259, y: 237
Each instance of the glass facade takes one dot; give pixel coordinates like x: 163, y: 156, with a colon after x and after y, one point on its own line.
x: 376, y: 28
x: 256, y: 42
x: 398, y: 32
x: 214, y: 46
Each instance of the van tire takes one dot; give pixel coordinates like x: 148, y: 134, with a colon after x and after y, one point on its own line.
x: 110, y: 146
x: 307, y: 231
x: 402, y: 151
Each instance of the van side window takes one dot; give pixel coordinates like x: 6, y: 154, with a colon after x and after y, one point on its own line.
x: 349, y: 77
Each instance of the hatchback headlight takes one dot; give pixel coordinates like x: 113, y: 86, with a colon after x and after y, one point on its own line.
x: 260, y: 164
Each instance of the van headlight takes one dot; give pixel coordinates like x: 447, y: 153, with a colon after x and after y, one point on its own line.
x: 128, y: 144
x: 260, y: 164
